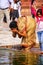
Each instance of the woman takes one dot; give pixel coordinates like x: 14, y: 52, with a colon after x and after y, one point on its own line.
x: 39, y: 19
x: 27, y: 32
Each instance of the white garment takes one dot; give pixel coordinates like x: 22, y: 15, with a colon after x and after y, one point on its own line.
x: 5, y: 3
x: 19, y: 8
x: 14, y: 6
x: 40, y: 26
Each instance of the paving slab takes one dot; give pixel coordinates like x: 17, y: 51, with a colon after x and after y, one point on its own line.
x: 6, y: 38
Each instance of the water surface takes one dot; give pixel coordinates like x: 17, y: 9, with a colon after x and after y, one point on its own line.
x: 20, y: 57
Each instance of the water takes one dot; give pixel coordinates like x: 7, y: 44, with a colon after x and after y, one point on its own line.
x: 17, y: 57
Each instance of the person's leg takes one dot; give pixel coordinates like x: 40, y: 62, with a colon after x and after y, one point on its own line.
x: 7, y: 13
x: 42, y: 41
x: 4, y: 19
x: 1, y: 18
x: 39, y: 38
x: 17, y: 14
x: 11, y: 15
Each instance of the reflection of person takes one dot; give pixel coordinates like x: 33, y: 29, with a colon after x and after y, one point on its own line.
x: 26, y: 58
x: 41, y: 59
x: 28, y: 33
x: 4, y: 8
x: 39, y: 19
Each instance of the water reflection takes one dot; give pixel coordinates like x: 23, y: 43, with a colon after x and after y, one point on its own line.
x: 40, y: 62
x: 8, y: 57
x: 25, y: 58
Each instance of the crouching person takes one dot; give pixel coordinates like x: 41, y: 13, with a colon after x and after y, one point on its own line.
x: 26, y: 29
x: 30, y: 40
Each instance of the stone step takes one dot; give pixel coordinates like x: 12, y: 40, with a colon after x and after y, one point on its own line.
x: 6, y: 38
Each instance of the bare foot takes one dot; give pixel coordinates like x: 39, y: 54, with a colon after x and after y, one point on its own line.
x: 41, y: 52
x: 26, y: 46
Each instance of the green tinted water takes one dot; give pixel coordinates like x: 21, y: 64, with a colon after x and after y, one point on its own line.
x: 15, y: 57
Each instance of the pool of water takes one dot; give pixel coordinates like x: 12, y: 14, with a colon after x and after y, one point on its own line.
x: 18, y: 57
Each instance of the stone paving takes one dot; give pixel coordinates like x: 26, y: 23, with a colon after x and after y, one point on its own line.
x: 6, y: 37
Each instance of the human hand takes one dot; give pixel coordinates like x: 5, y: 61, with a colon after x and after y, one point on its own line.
x: 14, y: 30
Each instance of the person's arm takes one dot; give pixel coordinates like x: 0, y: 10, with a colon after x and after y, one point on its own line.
x: 10, y: 2
x: 33, y: 8
x: 42, y: 9
x: 22, y: 34
x: 32, y: 1
x: 11, y: 8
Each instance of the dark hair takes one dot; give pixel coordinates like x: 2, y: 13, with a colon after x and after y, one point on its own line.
x: 32, y: 1
x: 39, y: 11
x: 13, y: 24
